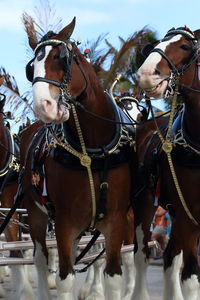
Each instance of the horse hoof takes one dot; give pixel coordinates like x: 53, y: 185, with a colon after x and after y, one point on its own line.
x: 52, y: 281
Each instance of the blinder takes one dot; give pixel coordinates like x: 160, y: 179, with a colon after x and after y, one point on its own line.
x: 29, y: 70
x: 66, y: 54
x: 2, y: 101
x: 196, y: 47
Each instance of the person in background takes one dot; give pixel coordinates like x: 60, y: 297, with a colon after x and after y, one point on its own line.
x: 160, y: 224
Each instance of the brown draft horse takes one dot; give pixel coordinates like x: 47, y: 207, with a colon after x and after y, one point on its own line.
x: 174, y: 64
x: 65, y: 83
x: 8, y: 189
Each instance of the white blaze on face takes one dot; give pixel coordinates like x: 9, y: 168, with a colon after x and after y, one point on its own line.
x: 45, y: 105
x: 148, y: 78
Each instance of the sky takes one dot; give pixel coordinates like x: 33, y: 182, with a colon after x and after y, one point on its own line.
x: 93, y: 17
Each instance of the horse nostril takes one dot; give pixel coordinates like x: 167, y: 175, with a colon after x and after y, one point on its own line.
x: 157, y: 72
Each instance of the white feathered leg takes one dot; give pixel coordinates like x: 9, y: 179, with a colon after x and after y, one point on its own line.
x: 21, y: 286
x: 85, y: 289
x: 42, y: 269
x: 172, y: 287
x: 65, y: 287
x: 113, y: 287
x: 97, y: 288
x: 141, y: 264
x: 52, y: 267
x: 128, y: 275
x: 191, y: 288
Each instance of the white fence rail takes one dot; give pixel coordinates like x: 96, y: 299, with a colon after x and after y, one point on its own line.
x: 51, y: 243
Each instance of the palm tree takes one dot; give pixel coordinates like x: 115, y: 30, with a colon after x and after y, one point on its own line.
x: 106, y: 59
x: 15, y: 102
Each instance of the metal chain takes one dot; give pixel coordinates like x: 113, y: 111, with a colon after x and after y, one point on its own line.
x: 85, y: 160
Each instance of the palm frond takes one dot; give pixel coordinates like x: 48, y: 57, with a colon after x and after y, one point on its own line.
x: 9, y: 81
x: 29, y: 26
x: 44, y: 20
x: 124, y: 56
x: 111, y: 46
x: 14, y: 101
x: 122, y: 41
x: 94, y: 46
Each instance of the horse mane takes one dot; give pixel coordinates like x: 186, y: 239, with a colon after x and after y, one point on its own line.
x: 47, y: 36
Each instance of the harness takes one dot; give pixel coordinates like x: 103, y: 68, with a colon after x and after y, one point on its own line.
x: 67, y: 55
x: 174, y: 137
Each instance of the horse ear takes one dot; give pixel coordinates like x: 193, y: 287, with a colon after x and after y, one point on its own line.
x: 197, y: 34
x: 32, y: 43
x: 2, y: 101
x: 67, y: 31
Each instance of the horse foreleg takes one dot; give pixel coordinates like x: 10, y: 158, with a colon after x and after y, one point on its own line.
x: 20, y: 284
x: 190, y: 276
x: 143, y: 213
x: 97, y: 287
x: 66, y: 240
x: 128, y: 258
x: 141, y: 264
x: 40, y: 261
x: 85, y: 289
x: 113, y: 271
x: 128, y: 274
x: 173, y: 259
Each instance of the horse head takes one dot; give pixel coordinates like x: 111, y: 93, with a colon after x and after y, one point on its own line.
x: 56, y: 75
x: 169, y: 62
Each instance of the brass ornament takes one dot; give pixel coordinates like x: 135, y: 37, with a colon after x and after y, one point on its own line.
x: 85, y: 160
x: 167, y: 147
x: 69, y: 46
x: 101, y: 216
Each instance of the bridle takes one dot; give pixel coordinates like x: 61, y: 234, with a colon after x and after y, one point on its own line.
x: 178, y: 71
x: 68, y: 55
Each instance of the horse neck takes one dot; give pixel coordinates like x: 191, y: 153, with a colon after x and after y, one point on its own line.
x: 3, y: 143
x: 96, y: 132
x: 192, y: 110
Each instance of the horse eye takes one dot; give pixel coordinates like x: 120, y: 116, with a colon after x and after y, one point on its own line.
x: 185, y: 47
